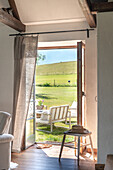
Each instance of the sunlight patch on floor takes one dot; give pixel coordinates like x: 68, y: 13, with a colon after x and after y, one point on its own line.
x: 55, y: 150
x: 67, y: 153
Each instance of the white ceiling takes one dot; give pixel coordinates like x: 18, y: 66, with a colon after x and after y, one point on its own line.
x: 4, y: 4
x: 35, y: 12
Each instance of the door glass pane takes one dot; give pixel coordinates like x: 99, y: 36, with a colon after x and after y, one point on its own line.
x: 31, y: 111
x: 30, y: 122
x: 29, y: 126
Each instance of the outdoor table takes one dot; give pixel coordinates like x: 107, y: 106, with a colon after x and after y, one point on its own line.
x: 39, y: 112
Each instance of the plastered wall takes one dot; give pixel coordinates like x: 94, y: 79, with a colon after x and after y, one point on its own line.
x: 91, y: 85
x: 105, y: 85
x: 6, y: 68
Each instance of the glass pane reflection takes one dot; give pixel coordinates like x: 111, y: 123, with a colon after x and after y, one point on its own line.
x: 30, y: 111
x: 29, y: 126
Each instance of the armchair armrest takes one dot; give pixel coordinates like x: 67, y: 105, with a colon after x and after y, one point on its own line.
x: 99, y: 166
x: 6, y: 138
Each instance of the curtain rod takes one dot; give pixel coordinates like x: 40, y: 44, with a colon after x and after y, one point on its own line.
x: 53, y: 32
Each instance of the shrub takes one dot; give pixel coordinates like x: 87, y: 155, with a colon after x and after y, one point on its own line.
x: 56, y: 85
x: 46, y: 85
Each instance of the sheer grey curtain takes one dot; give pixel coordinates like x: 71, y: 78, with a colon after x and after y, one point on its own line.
x: 25, y: 53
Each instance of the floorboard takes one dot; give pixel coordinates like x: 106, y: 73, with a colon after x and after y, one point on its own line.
x: 47, y: 159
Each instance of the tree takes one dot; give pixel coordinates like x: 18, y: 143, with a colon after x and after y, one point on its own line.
x: 40, y: 57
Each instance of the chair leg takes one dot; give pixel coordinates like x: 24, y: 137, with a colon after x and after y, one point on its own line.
x: 78, y: 148
x: 75, y: 145
x: 70, y: 119
x: 91, y: 146
x: 51, y: 127
x: 62, y: 147
x: 66, y: 120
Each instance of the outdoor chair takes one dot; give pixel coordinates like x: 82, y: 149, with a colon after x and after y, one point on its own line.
x: 54, y: 114
x: 5, y: 140
x: 73, y: 109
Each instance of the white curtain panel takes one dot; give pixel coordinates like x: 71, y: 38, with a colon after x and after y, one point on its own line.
x: 25, y: 54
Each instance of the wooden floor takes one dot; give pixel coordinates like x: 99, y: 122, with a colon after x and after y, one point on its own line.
x: 47, y: 159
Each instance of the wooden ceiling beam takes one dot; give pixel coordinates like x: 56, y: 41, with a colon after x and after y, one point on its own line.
x: 11, y: 21
x: 86, y: 5
x: 14, y: 9
x: 102, y: 7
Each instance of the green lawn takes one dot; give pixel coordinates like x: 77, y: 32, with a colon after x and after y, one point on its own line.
x: 57, y: 133
x: 54, y: 96
x: 57, y: 79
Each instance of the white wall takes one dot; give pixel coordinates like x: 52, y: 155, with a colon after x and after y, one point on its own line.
x: 59, y: 27
x: 90, y: 62
x: 105, y: 85
x: 6, y: 68
x: 91, y: 85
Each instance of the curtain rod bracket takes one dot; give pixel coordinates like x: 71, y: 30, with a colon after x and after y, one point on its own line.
x: 87, y: 33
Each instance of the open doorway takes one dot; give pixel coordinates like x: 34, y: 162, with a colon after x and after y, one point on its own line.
x: 58, y: 81
x: 56, y: 85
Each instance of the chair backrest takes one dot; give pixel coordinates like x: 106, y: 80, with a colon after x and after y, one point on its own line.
x: 74, y: 105
x: 5, y: 119
x: 59, y: 112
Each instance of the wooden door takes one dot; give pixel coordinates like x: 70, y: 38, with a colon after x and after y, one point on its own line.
x: 80, y: 82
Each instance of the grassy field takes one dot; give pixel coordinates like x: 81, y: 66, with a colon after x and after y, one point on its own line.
x: 57, y: 134
x: 54, y: 96
x: 57, y: 74
x: 57, y: 68
x: 57, y: 79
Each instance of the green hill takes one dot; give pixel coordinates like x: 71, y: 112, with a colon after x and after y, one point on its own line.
x: 57, y: 68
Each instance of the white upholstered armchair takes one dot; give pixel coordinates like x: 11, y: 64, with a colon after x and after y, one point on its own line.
x: 5, y: 141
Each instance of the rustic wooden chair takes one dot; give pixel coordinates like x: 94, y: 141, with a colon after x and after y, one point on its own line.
x: 79, y: 135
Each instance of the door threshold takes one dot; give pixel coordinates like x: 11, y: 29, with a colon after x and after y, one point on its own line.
x: 54, y: 143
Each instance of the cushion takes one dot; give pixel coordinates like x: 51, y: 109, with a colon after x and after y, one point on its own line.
x: 109, y: 162
x: 45, y: 115
x: 4, y: 121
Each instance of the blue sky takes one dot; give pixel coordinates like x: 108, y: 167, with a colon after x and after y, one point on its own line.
x: 58, y: 55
